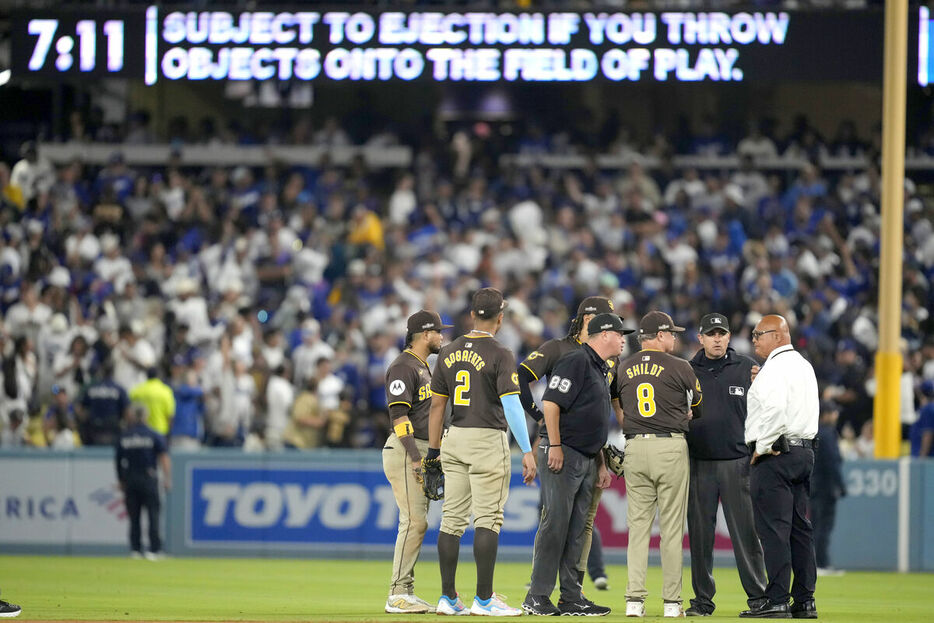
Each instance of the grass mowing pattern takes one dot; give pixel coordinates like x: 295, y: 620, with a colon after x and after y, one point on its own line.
x: 185, y: 589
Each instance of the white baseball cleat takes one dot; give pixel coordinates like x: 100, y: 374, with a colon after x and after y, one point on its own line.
x: 673, y: 610
x: 452, y: 607
x: 635, y: 609
x: 493, y: 607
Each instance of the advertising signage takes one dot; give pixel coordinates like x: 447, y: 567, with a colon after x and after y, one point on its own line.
x: 165, y: 44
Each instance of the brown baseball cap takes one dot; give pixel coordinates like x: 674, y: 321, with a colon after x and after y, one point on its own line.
x: 425, y: 321
x: 595, y: 305
x: 656, y: 321
x: 487, y: 303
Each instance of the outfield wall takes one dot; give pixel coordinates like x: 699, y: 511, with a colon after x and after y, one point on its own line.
x: 338, y: 503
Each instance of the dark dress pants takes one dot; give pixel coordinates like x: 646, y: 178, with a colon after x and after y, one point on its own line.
x: 823, y: 516
x: 139, y: 493
x: 566, y: 500
x: 780, y: 488
x: 727, y: 482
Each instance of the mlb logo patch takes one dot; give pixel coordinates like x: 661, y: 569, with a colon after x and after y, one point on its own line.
x: 737, y: 391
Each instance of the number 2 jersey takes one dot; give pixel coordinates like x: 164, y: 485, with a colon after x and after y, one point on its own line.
x: 474, y: 372
x: 656, y: 391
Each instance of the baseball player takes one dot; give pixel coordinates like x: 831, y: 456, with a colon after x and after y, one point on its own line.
x: 408, y: 394
x: 539, y: 364
x: 477, y: 375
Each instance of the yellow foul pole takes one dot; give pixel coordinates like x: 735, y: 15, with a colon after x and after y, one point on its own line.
x: 886, y: 418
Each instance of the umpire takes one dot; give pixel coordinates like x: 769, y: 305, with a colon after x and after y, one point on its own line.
x: 139, y: 448
x: 577, y: 415
x: 720, y: 468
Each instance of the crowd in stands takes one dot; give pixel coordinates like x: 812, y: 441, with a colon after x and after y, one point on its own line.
x: 261, y: 308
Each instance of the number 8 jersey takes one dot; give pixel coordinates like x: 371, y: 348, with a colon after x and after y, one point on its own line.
x: 474, y: 372
x: 656, y: 391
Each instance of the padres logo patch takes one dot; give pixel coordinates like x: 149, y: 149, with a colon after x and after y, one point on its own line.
x: 396, y: 387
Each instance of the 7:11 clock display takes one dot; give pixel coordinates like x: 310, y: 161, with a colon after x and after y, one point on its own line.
x: 86, y: 30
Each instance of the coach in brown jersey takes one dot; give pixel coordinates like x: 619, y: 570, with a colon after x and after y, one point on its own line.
x: 539, y: 364
x: 478, y: 375
x: 658, y: 392
x: 408, y: 393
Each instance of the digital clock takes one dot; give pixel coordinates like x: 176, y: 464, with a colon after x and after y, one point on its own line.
x: 68, y: 43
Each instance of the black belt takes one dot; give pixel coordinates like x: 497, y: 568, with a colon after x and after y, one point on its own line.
x: 782, y: 443
x: 803, y: 443
x: 650, y: 435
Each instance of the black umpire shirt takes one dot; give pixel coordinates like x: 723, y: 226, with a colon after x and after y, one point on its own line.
x: 719, y: 435
x: 579, y: 386
x: 137, y: 450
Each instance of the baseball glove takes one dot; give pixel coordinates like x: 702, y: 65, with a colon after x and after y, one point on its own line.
x: 613, y: 459
x: 434, y: 479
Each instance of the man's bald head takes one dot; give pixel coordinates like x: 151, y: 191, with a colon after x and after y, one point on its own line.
x: 770, y: 333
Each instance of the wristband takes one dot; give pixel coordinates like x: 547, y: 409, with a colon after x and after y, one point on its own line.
x: 433, y: 453
x: 554, y: 445
x: 403, y: 428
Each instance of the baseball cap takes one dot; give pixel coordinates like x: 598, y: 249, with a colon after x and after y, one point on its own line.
x: 425, y: 321
x: 656, y: 321
x: 487, y: 303
x: 607, y: 322
x: 714, y: 321
x: 595, y: 305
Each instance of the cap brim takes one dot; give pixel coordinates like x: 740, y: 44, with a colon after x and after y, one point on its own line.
x: 677, y: 329
x: 628, y: 331
x: 710, y: 329
x: 446, y: 326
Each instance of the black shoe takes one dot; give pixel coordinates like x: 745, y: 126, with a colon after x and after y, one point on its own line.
x: 540, y: 606
x: 807, y: 609
x: 695, y: 611
x: 8, y: 610
x: 768, y: 610
x: 583, y: 607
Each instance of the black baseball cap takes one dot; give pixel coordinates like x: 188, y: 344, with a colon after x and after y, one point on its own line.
x: 487, y: 303
x: 424, y: 320
x: 607, y: 322
x: 656, y: 321
x: 714, y: 321
x: 595, y: 305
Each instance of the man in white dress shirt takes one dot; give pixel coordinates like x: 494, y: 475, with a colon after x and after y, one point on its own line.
x: 781, y: 424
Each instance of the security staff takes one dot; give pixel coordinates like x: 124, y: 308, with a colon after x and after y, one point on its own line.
x: 101, y: 409
x: 658, y: 392
x: 720, y: 468
x: 139, y: 448
x: 478, y: 375
x: 539, y: 364
x: 408, y: 394
x: 780, y: 429
x: 577, y: 412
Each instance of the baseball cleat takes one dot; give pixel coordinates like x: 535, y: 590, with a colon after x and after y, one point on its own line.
x: 493, y: 607
x: 453, y: 607
x: 407, y: 604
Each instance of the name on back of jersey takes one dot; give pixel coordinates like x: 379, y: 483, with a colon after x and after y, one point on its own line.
x: 644, y: 369
x: 465, y: 356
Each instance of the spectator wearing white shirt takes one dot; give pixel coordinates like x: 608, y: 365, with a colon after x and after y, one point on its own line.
x: 33, y: 175
x: 280, y: 394
x: 25, y: 317
x: 305, y: 356
x: 133, y: 355
x: 781, y: 424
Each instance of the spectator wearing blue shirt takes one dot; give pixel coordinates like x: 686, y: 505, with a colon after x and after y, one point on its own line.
x: 139, y: 449
x: 101, y: 408
x: 187, y: 429
x: 922, y: 431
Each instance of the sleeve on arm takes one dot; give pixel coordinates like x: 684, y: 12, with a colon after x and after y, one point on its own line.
x: 565, y: 382
x: 526, y: 378
x: 773, y: 396
x: 539, y: 360
x: 507, y: 379
x: 400, y: 387
x: 515, y: 418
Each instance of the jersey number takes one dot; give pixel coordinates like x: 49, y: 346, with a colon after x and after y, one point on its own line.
x: 463, y: 380
x: 562, y: 385
x: 645, y: 392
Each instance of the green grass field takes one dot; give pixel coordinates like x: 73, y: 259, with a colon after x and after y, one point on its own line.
x: 117, y: 589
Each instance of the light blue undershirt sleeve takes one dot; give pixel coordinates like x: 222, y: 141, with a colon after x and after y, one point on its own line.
x: 515, y: 417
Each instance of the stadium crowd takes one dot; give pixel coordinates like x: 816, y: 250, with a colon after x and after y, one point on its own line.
x: 262, y: 307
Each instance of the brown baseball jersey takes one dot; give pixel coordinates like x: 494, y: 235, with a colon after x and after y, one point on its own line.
x: 474, y: 372
x: 656, y: 391
x: 408, y: 382
x: 542, y: 361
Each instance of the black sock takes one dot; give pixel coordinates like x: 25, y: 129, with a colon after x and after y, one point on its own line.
x: 485, y: 544
x: 448, y: 549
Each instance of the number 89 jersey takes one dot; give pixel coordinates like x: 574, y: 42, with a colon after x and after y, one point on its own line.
x: 474, y: 372
x: 656, y: 391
